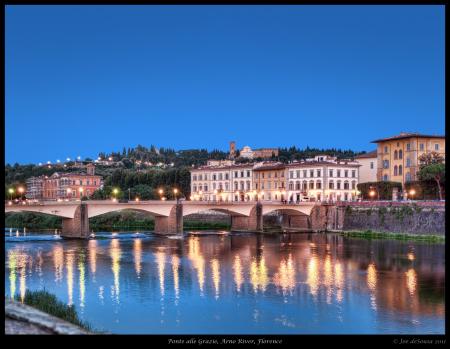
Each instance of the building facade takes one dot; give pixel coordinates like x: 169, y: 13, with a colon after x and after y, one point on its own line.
x: 221, y: 182
x: 269, y: 181
x: 368, y: 169
x: 398, y: 156
x: 64, y: 185
x: 323, y: 178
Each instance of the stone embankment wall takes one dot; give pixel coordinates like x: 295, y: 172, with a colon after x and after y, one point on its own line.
x: 409, y: 218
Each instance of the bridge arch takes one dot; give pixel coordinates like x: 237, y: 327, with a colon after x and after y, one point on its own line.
x: 58, y: 211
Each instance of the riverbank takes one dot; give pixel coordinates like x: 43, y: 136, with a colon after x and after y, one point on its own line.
x: 369, y: 234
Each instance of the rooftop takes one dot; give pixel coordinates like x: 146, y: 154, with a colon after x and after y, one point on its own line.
x: 371, y: 154
x: 404, y: 135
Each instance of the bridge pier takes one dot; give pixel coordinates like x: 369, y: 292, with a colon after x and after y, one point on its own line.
x: 173, y: 224
x: 254, y: 222
x: 78, y: 226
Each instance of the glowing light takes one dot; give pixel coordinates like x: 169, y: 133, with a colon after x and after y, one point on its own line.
x: 137, y: 250
x: 197, y: 260
x: 285, y: 276
x: 161, y: 261
x: 313, y: 275
x: 175, y: 267
x: 216, y: 275
x: 69, y: 268
x: 115, y: 253
x: 339, y: 281
x: 371, y: 277
x: 258, y: 275
x: 411, y: 281
x: 81, y: 281
x: 58, y: 261
x: 12, y: 264
x: 238, y: 273
x: 20, y: 190
x: 137, y: 199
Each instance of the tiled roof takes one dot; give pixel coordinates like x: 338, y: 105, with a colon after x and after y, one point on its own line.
x: 371, y: 154
x: 404, y: 135
x: 222, y: 167
x: 316, y: 163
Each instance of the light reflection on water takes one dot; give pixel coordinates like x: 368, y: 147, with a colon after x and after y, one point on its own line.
x: 313, y: 283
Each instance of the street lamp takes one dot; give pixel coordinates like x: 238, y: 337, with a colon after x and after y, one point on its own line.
x: 412, y: 192
x: 69, y: 191
x: 81, y: 192
x: 129, y: 194
x: 21, y: 190
x: 115, y: 192
x: 11, y: 192
x: 175, y: 192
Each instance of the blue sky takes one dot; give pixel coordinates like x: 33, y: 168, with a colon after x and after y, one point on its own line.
x: 86, y: 79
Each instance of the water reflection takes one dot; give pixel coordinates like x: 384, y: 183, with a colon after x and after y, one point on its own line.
x: 115, y: 253
x: 328, y: 277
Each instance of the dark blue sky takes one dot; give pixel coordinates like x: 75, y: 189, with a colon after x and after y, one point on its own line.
x: 86, y: 79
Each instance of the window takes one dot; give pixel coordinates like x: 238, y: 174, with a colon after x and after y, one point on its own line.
x: 297, y: 185
x: 385, y: 177
x: 395, y: 154
x: 331, y: 185
x: 400, y: 154
x: 200, y: 177
x: 385, y: 149
x: 291, y: 174
x: 220, y: 177
x: 353, y: 173
x: 305, y: 185
x: 291, y: 186
x: 276, y: 174
x: 318, y: 173
x: 331, y: 173
x: 422, y: 146
x: 270, y: 175
x: 87, y: 182
x: 226, y: 176
x: 236, y: 186
x: 242, y: 173
x: 311, y: 185
x: 353, y: 185
x: 338, y: 185
x: 385, y: 163
x: 371, y: 165
x: 395, y: 170
x: 248, y: 185
x: 242, y: 185
x: 436, y: 147
x: 205, y: 187
x: 311, y: 173
x: 248, y: 173
x: 297, y: 173
x: 195, y: 188
x: 220, y: 186
x: 318, y: 185
x: 214, y: 177
x: 346, y: 173
x: 236, y: 174
x: 408, y: 177
x: 346, y: 185
x: 194, y: 178
x: 206, y: 176
x: 400, y: 170
x: 226, y: 186
x: 338, y: 173
x: 256, y: 176
x: 408, y: 146
x: 95, y: 182
x: 408, y: 162
x: 214, y: 186
x: 81, y: 182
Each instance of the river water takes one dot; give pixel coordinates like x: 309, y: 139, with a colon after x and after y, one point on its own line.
x: 236, y: 283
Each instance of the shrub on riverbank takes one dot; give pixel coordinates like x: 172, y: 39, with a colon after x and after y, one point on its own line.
x: 369, y: 234
x: 48, y: 303
x: 31, y: 220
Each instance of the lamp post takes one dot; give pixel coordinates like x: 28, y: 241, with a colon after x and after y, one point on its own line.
x: 412, y: 192
x: 11, y: 192
x: 81, y: 192
x: 21, y: 190
x: 115, y: 192
x: 161, y: 192
x: 129, y: 194
x: 175, y: 192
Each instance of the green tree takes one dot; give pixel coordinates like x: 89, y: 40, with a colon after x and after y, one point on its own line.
x: 433, y: 171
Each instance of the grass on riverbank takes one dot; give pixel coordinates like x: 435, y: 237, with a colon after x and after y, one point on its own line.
x: 369, y: 234
x: 48, y: 303
x: 193, y: 225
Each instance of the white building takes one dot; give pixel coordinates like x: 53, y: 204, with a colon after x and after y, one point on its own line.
x: 221, y: 182
x: 323, y: 178
x: 246, y: 152
x: 368, y: 169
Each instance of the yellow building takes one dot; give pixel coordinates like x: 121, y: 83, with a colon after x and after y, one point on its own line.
x: 398, y: 156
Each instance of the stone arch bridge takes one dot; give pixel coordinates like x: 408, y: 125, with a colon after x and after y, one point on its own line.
x: 245, y: 216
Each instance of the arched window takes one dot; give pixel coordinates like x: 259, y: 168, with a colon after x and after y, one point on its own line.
x: 305, y: 185
x: 338, y: 185
x: 195, y: 188
x: 311, y: 185
x: 353, y: 185
x: 346, y: 185
x: 331, y: 185
x: 318, y: 185
x: 248, y: 185
x: 291, y: 185
x: 408, y: 162
x: 400, y: 154
x: 400, y: 170
x: 385, y: 177
x: 395, y: 155
x: 395, y: 170
x: 236, y: 186
x: 297, y: 185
